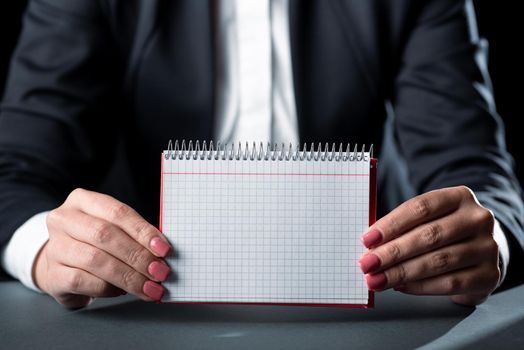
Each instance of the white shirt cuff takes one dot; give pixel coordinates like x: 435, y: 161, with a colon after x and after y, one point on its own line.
x: 502, y: 241
x: 19, y: 254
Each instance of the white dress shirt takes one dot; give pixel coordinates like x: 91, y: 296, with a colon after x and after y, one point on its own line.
x: 255, y: 102
x: 255, y: 94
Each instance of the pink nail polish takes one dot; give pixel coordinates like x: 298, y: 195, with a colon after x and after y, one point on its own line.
x: 376, y: 282
x: 159, y: 246
x: 369, y: 263
x: 158, y: 270
x: 153, y: 290
x: 372, y: 238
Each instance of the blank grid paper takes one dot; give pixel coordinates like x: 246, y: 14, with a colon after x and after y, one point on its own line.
x: 265, y: 231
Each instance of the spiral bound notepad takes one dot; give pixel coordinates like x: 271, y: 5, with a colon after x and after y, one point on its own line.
x: 266, y: 224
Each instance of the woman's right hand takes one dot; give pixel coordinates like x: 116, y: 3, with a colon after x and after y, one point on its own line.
x: 100, y: 247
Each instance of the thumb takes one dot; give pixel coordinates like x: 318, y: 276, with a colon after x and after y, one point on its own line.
x: 468, y: 299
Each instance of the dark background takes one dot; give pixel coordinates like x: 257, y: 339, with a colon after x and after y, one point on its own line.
x: 498, y: 22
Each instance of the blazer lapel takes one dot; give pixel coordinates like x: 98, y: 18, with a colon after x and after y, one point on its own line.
x: 311, y: 24
x: 361, y: 31
x: 148, y: 18
x: 176, y: 37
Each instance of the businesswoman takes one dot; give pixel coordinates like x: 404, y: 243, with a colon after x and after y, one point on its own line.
x: 87, y: 75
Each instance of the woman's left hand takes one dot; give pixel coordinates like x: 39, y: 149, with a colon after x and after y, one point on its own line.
x: 438, y: 243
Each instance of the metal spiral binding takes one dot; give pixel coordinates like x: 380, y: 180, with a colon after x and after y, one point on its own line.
x: 273, y: 152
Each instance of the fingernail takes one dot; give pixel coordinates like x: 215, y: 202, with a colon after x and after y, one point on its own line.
x: 369, y: 263
x: 153, y: 290
x: 376, y: 282
x: 371, y: 238
x: 159, y: 246
x: 158, y: 270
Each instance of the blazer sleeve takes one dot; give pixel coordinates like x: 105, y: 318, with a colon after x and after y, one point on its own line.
x: 446, y: 124
x: 57, y: 127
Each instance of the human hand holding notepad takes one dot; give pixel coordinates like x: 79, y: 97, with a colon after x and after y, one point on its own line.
x: 253, y: 225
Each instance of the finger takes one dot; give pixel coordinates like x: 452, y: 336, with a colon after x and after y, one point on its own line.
x: 110, y: 238
x: 416, y: 211
x: 469, y: 299
x: 122, y: 215
x: 99, y: 263
x: 73, y: 301
x: 82, y: 283
x: 421, y: 239
x: 78, y: 288
x: 474, y: 280
x: 450, y: 258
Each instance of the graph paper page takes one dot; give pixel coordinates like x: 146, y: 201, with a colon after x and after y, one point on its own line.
x: 265, y: 231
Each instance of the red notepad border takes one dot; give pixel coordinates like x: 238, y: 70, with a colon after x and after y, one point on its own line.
x: 372, y: 219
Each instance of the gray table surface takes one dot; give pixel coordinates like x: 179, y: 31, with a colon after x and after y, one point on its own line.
x: 29, y: 320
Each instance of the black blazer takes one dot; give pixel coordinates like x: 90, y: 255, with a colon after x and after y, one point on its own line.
x: 88, y: 74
